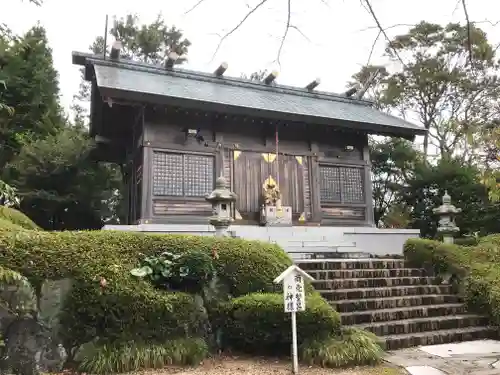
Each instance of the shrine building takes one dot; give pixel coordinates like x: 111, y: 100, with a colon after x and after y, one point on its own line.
x: 175, y: 131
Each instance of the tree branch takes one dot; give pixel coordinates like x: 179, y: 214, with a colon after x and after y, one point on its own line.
x: 373, y: 47
x: 300, y: 32
x: 382, y: 30
x: 287, y: 27
x: 387, y: 28
x: 194, y: 7
x: 228, y: 34
x: 469, y: 32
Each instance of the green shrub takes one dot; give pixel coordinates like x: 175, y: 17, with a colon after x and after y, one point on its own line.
x: 129, y: 308
x: 477, y: 268
x: 9, y: 225
x: 16, y: 217
x: 133, y: 356
x: 466, y: 241
x: 440, y: 257
x: 354, y: 347
x: 190, y: 272
x: 257, y: 324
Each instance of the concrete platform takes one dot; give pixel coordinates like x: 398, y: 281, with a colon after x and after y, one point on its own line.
x: 356, y: 240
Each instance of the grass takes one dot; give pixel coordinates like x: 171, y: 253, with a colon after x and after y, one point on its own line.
x: 353, y: 347
x: 126, y: 357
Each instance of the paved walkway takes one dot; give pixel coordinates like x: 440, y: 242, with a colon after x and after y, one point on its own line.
x: 480, y: 357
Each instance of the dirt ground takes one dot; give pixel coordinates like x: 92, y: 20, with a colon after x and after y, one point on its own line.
x: 241, y: 366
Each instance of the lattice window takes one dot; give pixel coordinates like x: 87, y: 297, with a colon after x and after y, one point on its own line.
x: 352, y: 185
x: 182, y: 175
x: 199, y: 175
x: 329, y: 184
x: 341, y: 185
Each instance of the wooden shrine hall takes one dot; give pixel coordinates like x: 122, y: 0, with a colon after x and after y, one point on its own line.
x: 175, y: 131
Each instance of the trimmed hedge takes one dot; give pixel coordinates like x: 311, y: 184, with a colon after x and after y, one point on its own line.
x: 9, y: 225
x: 15, y: 217
x: 257, y: 323
x: 476, y: 269
x: 129, y: 308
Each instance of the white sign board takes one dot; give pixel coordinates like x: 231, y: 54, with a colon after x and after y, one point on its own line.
x: 294, y: 298
x: 293, y: 293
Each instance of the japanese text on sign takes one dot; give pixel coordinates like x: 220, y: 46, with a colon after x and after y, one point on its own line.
x: 294, y: 293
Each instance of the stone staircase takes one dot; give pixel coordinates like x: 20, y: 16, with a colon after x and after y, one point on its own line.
x: 405, y: 307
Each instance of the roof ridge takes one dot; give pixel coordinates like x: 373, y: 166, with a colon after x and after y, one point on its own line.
x: 207, y: 77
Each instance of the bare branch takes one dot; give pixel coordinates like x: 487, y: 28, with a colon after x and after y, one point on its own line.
x: 373, y: 47
x: 300, y: 32
x: 382, y: 30
x: 287, y: 27
x: 457, y: 5
x: 193, y: 7
x: 491, y: 23
x: 228, y: 34
x: 469, y: 32
x: 387, y: 28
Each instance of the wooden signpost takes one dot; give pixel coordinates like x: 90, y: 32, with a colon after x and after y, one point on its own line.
x: 295, y: 300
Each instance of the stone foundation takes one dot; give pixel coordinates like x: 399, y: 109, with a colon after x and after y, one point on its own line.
x: 302, y: 242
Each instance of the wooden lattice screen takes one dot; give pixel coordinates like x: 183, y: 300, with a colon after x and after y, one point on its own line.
x: 341, y: 185
x: 182, y: 175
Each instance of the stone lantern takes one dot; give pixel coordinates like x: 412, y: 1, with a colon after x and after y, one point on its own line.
x: 446, y: 214
x: 221, y: 199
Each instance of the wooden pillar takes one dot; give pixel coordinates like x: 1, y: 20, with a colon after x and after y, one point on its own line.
x: 369, y: 215
x: 314, y: 182
x: 147, y: 185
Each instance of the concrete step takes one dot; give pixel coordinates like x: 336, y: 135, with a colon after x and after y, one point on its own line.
x: 312, y: 244
x: 367, y: 273
x: 391, y: 291
x: 341, y: 253
x: 418, y: 325
x: 373, y: 282
x: 400, y: 313
x: 407, y: 340
x: 393, y: 302
x: 350, y: 264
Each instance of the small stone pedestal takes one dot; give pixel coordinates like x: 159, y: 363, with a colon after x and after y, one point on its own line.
x: 221, y: 199
x: 274, y: 216
x: 446, y: 213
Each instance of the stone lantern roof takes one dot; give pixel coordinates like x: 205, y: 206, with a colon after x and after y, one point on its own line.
x: 446, y: 208
x: 221, y: 193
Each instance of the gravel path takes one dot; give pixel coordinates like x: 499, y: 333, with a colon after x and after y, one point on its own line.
x: 237, y: 366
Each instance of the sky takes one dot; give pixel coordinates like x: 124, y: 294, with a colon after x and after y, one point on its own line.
x: 331, y: 39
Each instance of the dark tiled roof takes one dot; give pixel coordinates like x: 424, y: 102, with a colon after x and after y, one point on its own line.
x: 280, y: 101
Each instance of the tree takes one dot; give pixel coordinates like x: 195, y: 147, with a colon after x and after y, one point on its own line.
x: 149, y: 43
x: 31, y: 90
x: 451, y: 94
x: 425, y: 189
x: 140, y: 42
x: 60, y: 185
x: 375, y: 89
x: 393, y: 163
